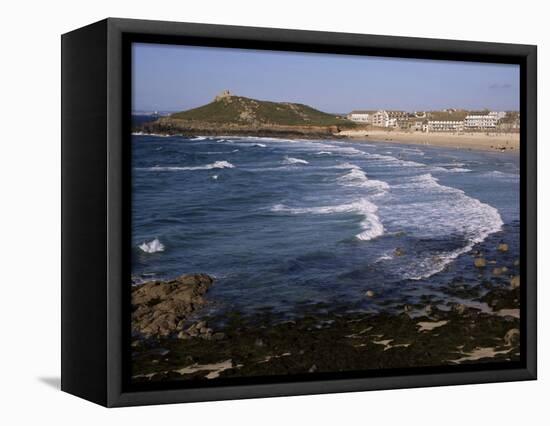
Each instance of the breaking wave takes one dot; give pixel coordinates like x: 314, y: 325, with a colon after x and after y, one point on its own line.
x: 459, y: 170
x: 446, y: 212
x: 371, y: 225
x: 153, y: 246
x: 357, y: 177
x: 292, y: 160
x: 215, y: 165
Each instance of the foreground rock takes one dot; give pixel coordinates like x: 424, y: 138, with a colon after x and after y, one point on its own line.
x: 160, y: 308
x: 329, y: 340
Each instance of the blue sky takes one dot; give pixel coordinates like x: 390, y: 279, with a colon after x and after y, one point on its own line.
x: 176, y: 78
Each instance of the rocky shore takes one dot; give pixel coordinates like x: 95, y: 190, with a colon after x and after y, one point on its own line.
x: 161, y: 308
x: 177, y: 127
x: 170, y: 342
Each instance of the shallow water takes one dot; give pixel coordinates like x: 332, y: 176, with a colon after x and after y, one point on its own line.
x: 283, y: 223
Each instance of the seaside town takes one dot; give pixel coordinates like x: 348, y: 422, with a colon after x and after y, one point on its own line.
x: 447, y: 120
x: 232, y: 114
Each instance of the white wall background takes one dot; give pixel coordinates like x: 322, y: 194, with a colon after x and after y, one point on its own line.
x: 30, y: 211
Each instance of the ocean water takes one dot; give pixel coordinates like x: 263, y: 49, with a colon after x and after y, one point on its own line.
x: 282, y: 224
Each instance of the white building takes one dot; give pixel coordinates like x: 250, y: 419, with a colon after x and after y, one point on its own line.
x: 380, y: 119
x: 445, y: 126
x: 487, y: 121
x: 359, y: 116
x: 416, y: 125
x: 392, y: 122
x: 498, y: 114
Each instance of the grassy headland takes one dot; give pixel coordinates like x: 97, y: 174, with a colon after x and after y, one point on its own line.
x: 229, y: 114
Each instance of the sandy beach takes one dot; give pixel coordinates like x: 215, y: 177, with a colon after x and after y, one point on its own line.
x: 471, y: 141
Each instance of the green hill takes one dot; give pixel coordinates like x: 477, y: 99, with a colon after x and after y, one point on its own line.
x: 228, y: 109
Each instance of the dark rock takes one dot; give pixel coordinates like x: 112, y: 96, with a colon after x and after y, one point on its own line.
x: 399, y: 251
x: 514, y: 282
x: 503, y: 247
x: 459, y: 308
x: 511, y: 337
x: 498, y: 271
x: 480, y: 262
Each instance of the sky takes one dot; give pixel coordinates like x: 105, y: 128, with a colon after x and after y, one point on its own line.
x: 177, y: 78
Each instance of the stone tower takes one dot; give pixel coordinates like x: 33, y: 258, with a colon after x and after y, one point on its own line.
x: 223, y: 95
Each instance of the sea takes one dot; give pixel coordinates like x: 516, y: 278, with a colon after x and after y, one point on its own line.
x: 284, y: 224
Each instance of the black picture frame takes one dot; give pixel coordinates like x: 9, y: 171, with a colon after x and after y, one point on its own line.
x: 96, y: 117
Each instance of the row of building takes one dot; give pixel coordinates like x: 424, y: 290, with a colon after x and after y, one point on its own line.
x: 441, y: 121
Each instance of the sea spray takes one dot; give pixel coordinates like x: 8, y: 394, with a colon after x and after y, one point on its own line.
x: 153, y: 246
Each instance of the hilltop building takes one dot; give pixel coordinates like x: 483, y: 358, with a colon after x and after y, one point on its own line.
x: 223, y: 95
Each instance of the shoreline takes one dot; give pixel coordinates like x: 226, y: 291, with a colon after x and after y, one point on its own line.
x: 507, y: 142
x: 463, y: 323
x: 443, y: 334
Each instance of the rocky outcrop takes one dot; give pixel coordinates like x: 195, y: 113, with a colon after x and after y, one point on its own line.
x: 173, y: 126
x: 161, y: 308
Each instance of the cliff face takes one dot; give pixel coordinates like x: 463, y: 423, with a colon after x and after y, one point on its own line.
x: 229, y: 114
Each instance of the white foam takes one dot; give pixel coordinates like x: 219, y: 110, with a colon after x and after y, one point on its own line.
x: 388, y: 255
x: 451, y: 165
x: 371, y: 225
x: 215, y: 165
x: 495, y: 174
x: 198, y: 138
x: 446, y: 212
x: 324, y: 153
x: 158, y: 135
x: 357, y: 177
x: 153, y: 246
x: 215, y: 177
x: 344, y: 149
x: 260, y: 145
x: 458, y: 170
x: 292, y: 160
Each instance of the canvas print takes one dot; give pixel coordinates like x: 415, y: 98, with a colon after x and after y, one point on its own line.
x: 300, y: 215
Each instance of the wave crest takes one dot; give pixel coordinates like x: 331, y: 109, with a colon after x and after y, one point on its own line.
x: 215, y: 165
x: 371, y: 224
x: 357, y: 177
x: 448, y: 211
x: 153, y: 246
x: 292, y: 160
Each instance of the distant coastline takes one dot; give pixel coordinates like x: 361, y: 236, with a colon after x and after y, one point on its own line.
x: 233, y: 115
x: 502, y: 142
